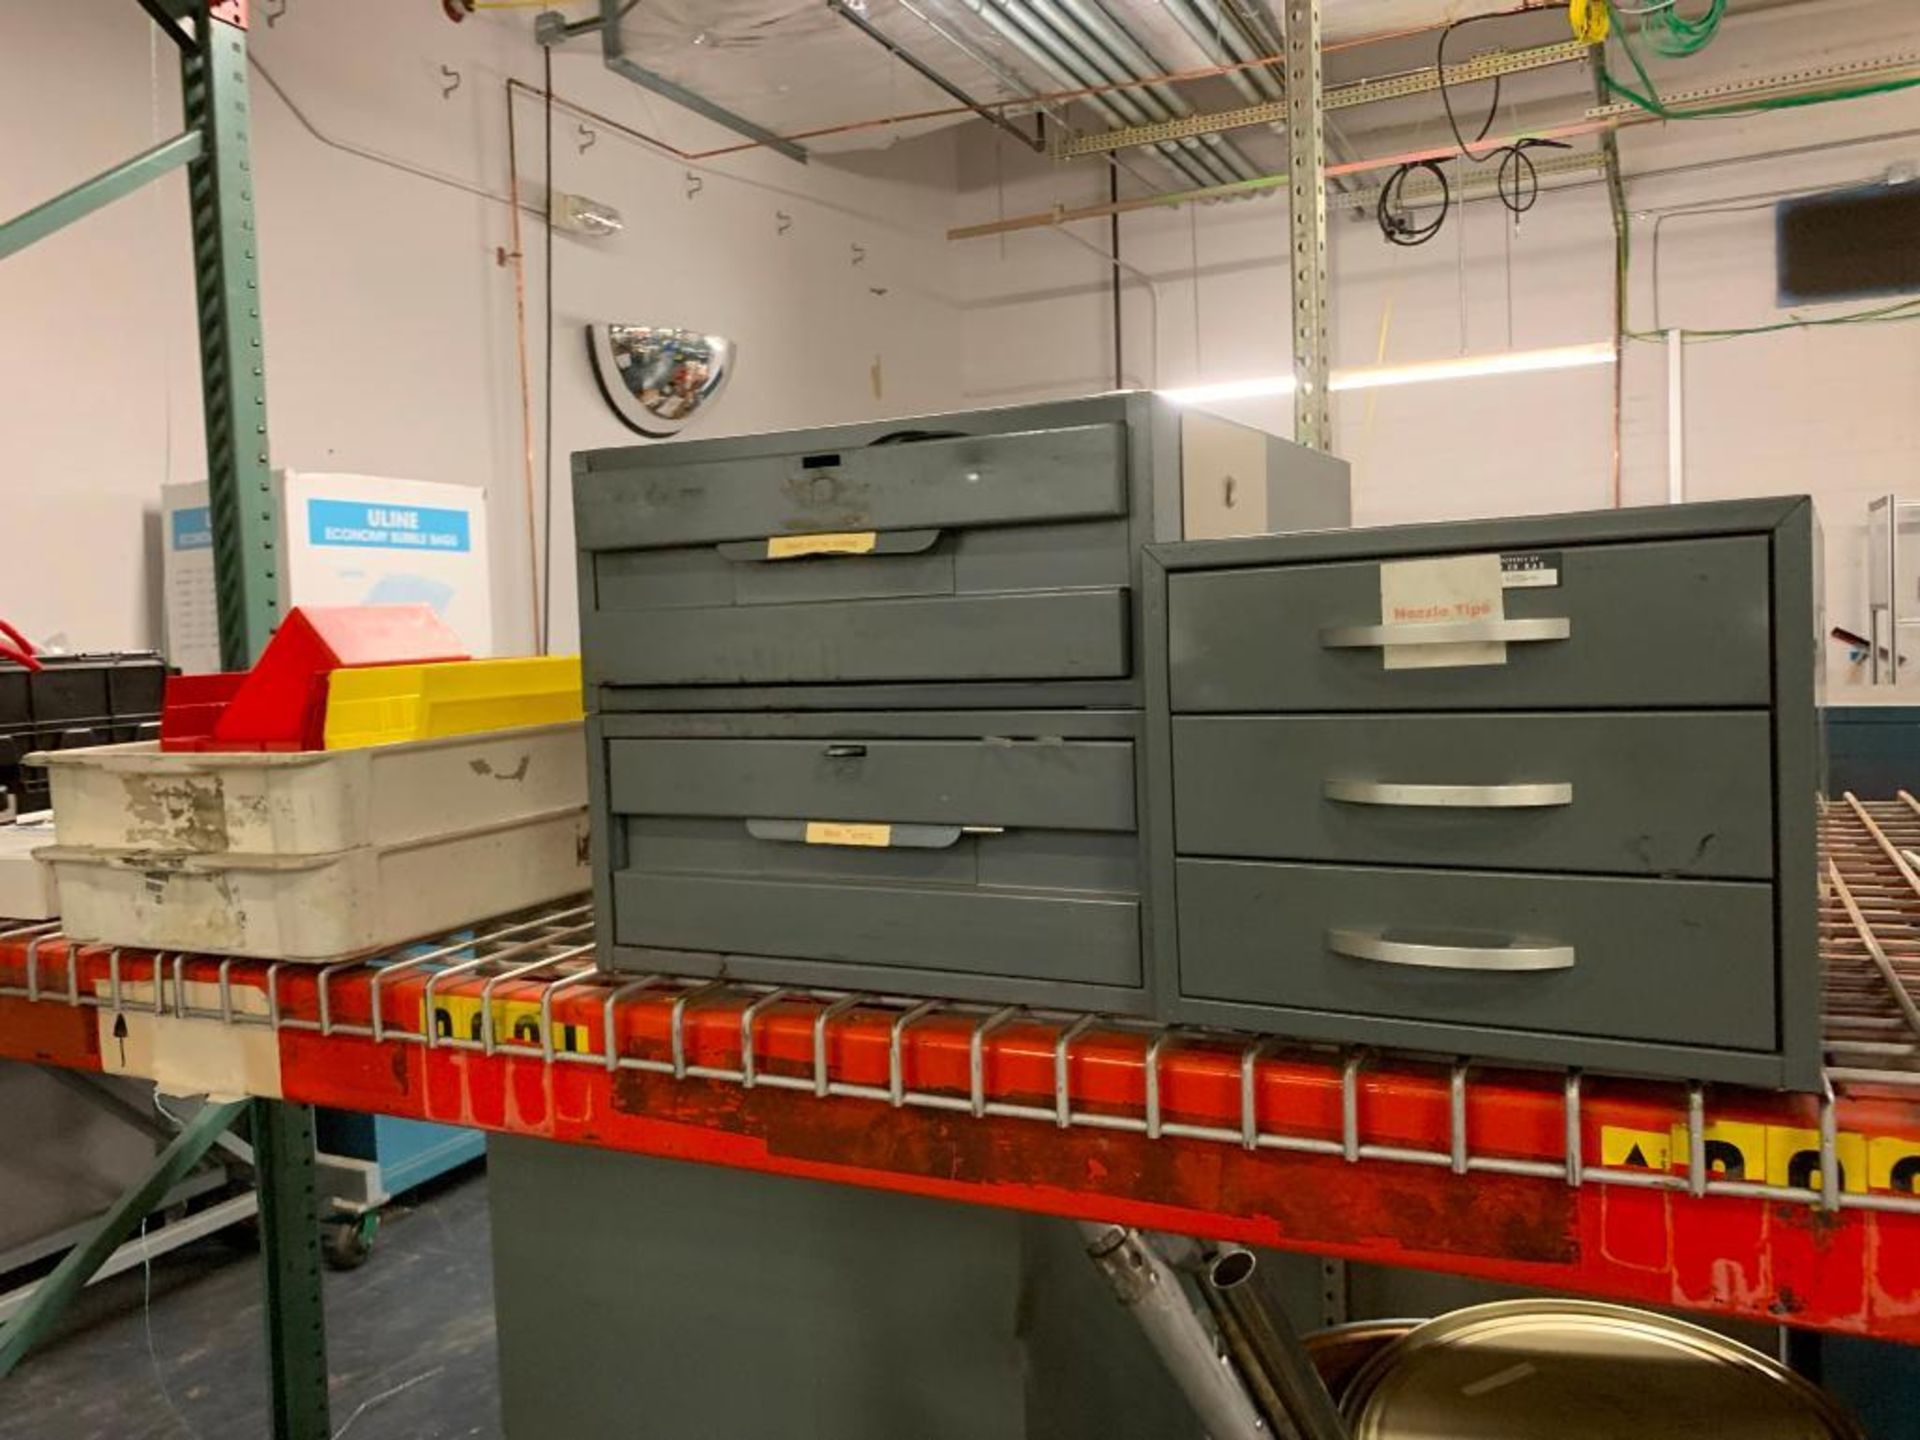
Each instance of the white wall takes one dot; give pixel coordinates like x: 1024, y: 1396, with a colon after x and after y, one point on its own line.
x: 1831, y: 412
x: 390, y: 334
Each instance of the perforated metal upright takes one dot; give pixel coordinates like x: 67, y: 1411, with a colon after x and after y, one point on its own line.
x: 212, y: 38
x: 1307, y: 222
x: 213, y: 75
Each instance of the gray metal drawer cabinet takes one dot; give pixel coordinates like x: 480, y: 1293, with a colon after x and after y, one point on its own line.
x: 951, y: 560
x: 1539, y: 790
x: 982, y: 855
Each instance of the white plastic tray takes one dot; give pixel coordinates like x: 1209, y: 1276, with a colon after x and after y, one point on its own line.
x: 319, y: 907
x: 320, y: 802
x: 27, y: 888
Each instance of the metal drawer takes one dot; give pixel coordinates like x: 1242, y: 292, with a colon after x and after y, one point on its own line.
x: 1687, y: 794
x: 1653, y: 961
x: 1067, y: 634
x: 719, y: 493
x: 791, y: 854
x: 1051, y: 783
x: 1629, y: 625
x: 1017, y: 935
x: 951, y: 558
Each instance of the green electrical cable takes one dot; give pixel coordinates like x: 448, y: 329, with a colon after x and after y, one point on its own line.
x: 1649, y: 99
x: 1899, y: 310
x: 1671, y: 33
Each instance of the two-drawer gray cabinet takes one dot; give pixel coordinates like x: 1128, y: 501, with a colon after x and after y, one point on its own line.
x: 1540, y: 790
x: 986, y: 559
x: 865, y: 701
x: 975, y: 856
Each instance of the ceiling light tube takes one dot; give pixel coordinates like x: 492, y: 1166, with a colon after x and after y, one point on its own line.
x: 1374, y: 377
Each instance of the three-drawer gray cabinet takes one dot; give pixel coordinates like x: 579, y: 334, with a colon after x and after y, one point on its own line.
x: 865, y: 702
x: 1540, y: 790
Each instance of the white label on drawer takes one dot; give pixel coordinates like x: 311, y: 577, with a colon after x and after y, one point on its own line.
x: 1458, y: 588
x: 1532, y: 570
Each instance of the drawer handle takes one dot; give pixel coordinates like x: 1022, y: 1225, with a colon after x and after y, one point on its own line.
x: 1374, y: 946
x: 1451, y: 797
x: 1445, y: 632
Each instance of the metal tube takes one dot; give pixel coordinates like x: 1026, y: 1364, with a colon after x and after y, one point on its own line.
x: 1198, y: 31
x: 1285, y: 1368
x: 103, y: 189
x: 1088, y: 52
x: 1017, y: 36
x: 1150, y: 1291
x: 1246, y: 1357
x: 1676, y: 418
x: 926, y: 72
x: 1239, y: 46
x: 1129, y: 60
x: 1044, y: 19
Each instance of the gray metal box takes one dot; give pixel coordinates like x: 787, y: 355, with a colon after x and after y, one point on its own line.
x: 987, y: 559
x: 1539, y: 790
x: 973, y: 855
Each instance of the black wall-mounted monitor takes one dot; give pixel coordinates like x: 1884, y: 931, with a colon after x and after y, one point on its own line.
x: 1849, y: 244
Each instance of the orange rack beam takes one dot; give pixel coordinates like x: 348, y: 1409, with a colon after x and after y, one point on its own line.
x: 1797, y: 1209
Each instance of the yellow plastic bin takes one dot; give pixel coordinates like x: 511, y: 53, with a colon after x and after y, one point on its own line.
x: 384, y: 704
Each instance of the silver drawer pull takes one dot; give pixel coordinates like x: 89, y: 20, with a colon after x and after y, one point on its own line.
x: 1445, y: 632
x: 1372, y: 945
x: 1451, y: 797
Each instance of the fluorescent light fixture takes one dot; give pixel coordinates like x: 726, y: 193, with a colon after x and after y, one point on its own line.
x: 1231, y: 390
x: 1374, y: 377
x: 1467, y: 367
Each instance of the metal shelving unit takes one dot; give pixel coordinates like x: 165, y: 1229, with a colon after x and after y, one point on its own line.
x: 1802, y: 1209
x: 1885, y: 584
x: 214, y: 147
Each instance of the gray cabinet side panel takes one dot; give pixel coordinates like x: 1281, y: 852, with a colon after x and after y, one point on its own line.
x: 1800, y: 776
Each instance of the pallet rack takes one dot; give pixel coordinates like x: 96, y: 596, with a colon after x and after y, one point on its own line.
x: 1794, y: 1209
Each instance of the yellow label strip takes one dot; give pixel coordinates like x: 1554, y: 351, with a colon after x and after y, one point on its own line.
x: 841, y: 542
x: 841, y: 832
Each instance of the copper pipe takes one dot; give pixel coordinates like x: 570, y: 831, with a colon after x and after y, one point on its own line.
x: 1060, y: 216
x: 520, y: 351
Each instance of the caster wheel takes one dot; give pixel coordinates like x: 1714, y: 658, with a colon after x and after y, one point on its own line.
x: 347, y: 1244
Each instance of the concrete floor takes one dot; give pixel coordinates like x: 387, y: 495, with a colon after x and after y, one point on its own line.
x: 422, y: 1306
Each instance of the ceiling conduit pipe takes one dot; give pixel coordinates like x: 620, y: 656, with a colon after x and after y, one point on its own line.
x: 1089, y: 52
x: 1083, y: 64
x: 1242, y: 40
x: 1211, y: 37
x: 1017, y: 36
x: 1138, y: 64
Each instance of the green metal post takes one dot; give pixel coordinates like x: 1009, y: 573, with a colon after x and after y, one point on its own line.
x: 53, y: 1294
x: 290, y: 1251
x: 226, y: 266
x: 246, y: 578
